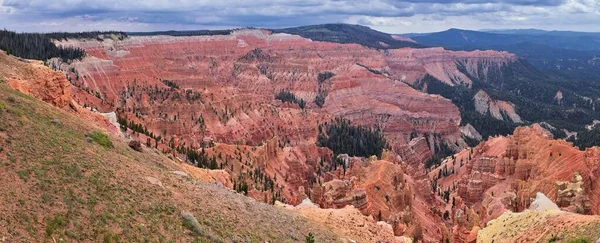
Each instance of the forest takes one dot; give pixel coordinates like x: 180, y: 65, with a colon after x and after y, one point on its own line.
x: 344, y: 138
x: 529, y: 89
x: 587, y: 138
x: 289, y: 97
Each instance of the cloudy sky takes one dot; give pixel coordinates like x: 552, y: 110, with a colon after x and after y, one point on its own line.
x: 392, y: 16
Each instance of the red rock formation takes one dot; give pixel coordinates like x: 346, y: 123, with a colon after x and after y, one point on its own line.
x: 245, y: 69
x: 505, y: 173
x: 33, y: 78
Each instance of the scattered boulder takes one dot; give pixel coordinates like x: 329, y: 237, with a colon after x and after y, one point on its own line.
x: 154, y: 181
x: 180, y: 173
x: 56, y: 122
x: 135, y: 145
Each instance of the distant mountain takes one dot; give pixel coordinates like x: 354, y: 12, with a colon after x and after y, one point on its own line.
x: 541, y: 32
x: 346, y: 33
x: 469, y: 39
x: 573, y: 54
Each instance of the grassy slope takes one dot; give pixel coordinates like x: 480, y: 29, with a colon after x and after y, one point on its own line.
x: 55, y: 184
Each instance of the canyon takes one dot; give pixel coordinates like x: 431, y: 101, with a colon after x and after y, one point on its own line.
x: 214, y: 95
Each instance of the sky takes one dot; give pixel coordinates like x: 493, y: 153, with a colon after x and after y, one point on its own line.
x: 391, y: 16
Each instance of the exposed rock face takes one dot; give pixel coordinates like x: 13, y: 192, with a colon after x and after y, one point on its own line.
x: 338, y: 194
x: 571, y: 195
x: 348, y: 221
x: 379, y: 188
x: 558, y: 97
x: 506, y: 173
x: 469, y: 131
x: 412, y: 64
x: 499, y: 109
x: 544, y: 221
x: 542, y: 203
x: 531, y: 162
x: 415, y: 152
x: 33, y: 78
x: 239, y: 73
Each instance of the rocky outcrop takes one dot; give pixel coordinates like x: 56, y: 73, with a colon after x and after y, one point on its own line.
x: 470, y: 132
x: 338, y: 194
x: 415, y: 152
x: 506, y: 173
x: 33, y: 78
x: 347, y: 221
x: 530, y: 162
x: 558, y: 97
x: 543, y: 222
x: 571, y: 195
x: 499, y: 109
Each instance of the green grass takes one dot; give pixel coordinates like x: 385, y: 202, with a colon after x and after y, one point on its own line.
x: 102, y: 139
x: 55, y: 223
x: 579, y: 240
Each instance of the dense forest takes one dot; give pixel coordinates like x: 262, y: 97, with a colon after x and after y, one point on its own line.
x: 98, y: 35
x: 587, y: 138
x: 287, y: 96
x: 344, y: 138
x: 529, y: 89
x: 462, y: 97
x: 40, y: 46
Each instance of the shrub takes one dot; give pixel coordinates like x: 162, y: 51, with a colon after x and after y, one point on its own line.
x: 101, y: 138
x: 324, y: 76
x: 55, y: 223
x: 310, y: 238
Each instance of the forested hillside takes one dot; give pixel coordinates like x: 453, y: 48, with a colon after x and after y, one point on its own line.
x: 40, y: 46
x: 532, y: 92
x: 346, y: 33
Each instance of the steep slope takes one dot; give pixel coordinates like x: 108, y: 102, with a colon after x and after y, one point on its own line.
x: 526, y: 94
x: 567, y: 55
x: 47, y: 85
x: 60, y: 183
x: 543, y: 223
x: 505, y: 174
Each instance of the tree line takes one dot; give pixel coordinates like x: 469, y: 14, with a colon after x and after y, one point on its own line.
x: 41, y: 46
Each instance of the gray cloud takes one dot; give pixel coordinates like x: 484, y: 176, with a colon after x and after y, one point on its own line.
x: 387, y: 15
x: 513, y: 2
